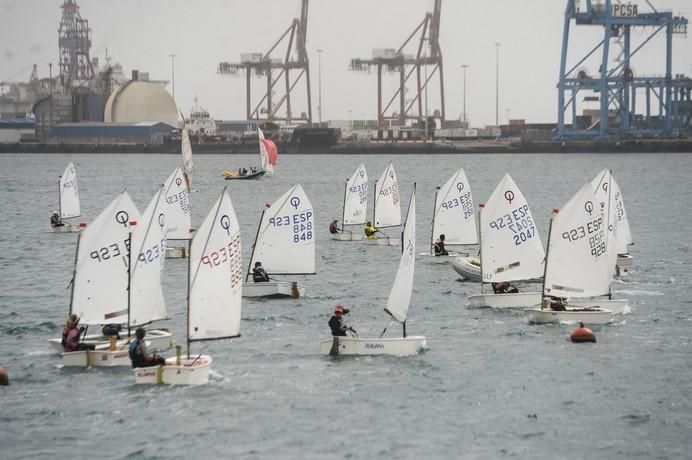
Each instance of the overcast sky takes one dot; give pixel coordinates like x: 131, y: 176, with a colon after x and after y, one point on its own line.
x: 141, y: 34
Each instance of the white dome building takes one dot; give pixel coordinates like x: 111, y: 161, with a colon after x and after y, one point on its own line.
x: 139, y: 101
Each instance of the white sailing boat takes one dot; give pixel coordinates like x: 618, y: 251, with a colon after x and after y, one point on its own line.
x: 215, y: 274
x: 624, y: 235
x: 397, y: 306
x: 511, y: 248
x: 453, y: 215
x: 284, y: 244
x: 578, y: 264
x: 268, y: 156
x: 117, y: 279
x: 177, y: 201
x: 68, y: 201
x: 386, y: 208
x: 355, y: 205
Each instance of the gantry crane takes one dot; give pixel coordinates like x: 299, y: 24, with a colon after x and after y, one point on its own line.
x: 427, y: 53
x: 617, y: 85
x: 276, y: 71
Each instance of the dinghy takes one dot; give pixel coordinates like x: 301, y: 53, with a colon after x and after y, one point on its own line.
x: 115, y: 285
x: 268, y: 155
x: 453, y: 216
x: 397, y: 307
x: 284, y: 245
x: 68, y: 202
x: 215, y: 274
x: 511, y: 248
x: 578, y: 263
x: 468, y: 266
x: 624, y: 235
x: 386, y: 208
x: 355, y: 205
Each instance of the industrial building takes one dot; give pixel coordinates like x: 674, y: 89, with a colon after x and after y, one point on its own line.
x: 111, y: 133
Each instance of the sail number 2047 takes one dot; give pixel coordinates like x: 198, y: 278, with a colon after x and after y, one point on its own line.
x: 519, y: 221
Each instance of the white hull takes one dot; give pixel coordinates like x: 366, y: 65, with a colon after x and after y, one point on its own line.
x: 593, y: 316
x: 347, y: 236
x: 157, y: 339
x: 176, y: 253
x: 509, y: 300
x: 69, y: 228
x: 192, y: 371
x: 623, y: 264
x: 273, y: 289
x: 447, y: 258
x: 463, y: 266
x: 397, y: 346
x: 384, y: 241
x: 617, y: 306
x: 97, y: 358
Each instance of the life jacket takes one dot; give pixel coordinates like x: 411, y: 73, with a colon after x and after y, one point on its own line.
x: 135, y: 356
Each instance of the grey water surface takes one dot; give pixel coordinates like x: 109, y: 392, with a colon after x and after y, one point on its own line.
x: 489, y: 385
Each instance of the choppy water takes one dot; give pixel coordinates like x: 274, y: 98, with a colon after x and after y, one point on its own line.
x: 489, y: 385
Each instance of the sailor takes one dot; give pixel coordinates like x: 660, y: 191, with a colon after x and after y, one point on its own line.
x: 334, y: 227
x: 370, y: 230
x: 70, y: 336
x: 504, y: 287
x: 440, y: 246
x: 139, y: 355
x: 55, y: 220
x: 555, y: 303
x: 259, y: 275
x: 336, y: 322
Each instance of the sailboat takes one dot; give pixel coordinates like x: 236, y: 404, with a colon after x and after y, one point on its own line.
x: 215, y: 274
x: 511, y: 248
x: 177, y: 201
x: 355, y: 205
x: 387, y: 208
x: 397, y: 306
x: 624, y: 235
x: 268, y: 155
x: 453, y: 215
x: 117, y: 279
x: 68, y: 201
x: 284, y: 245
x: 578, y: 264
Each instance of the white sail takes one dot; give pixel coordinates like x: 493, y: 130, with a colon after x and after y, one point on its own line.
x: 177, y: 206
x: 387, y: 199
x: 356, y: 198
x: 400, y: 295
x: 624, y: 236
x: 602, y: 187
x: 216, y: 275
x: 268, y: 153
x: 148, y: 253
x: 101, y: 275
x: 69, y: 193
x: 454, y: 215
x: 511, y: 248
x: 285, y: 241
x: 186, y: 150
x: 577, y: 263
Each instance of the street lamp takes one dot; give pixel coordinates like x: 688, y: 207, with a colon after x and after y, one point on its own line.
x: 350, y: 120
x: 319, y: 84
x: 172, y: 56
x: 466, y: 123
x: 497, y: 84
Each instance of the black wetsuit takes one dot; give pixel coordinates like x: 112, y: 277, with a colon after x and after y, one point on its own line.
x: 337, y: 326
x: 259, y: 275
x: 440, y: 249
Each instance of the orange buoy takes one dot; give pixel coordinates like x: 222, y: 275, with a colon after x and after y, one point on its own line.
x: 582, y: 334
x: 4, y: 379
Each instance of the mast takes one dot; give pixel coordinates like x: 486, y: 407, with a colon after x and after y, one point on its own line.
x: 343, y: 209
x: 129, y: 279
x: 252, y: 254
x: 74, y: 272
x: 547, y: 251
x: 432, y: 228
x: 480, y: 245
x: 187, y: 319
x: 374, y: 201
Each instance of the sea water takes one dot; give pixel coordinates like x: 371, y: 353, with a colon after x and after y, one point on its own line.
x: 489, y: 385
